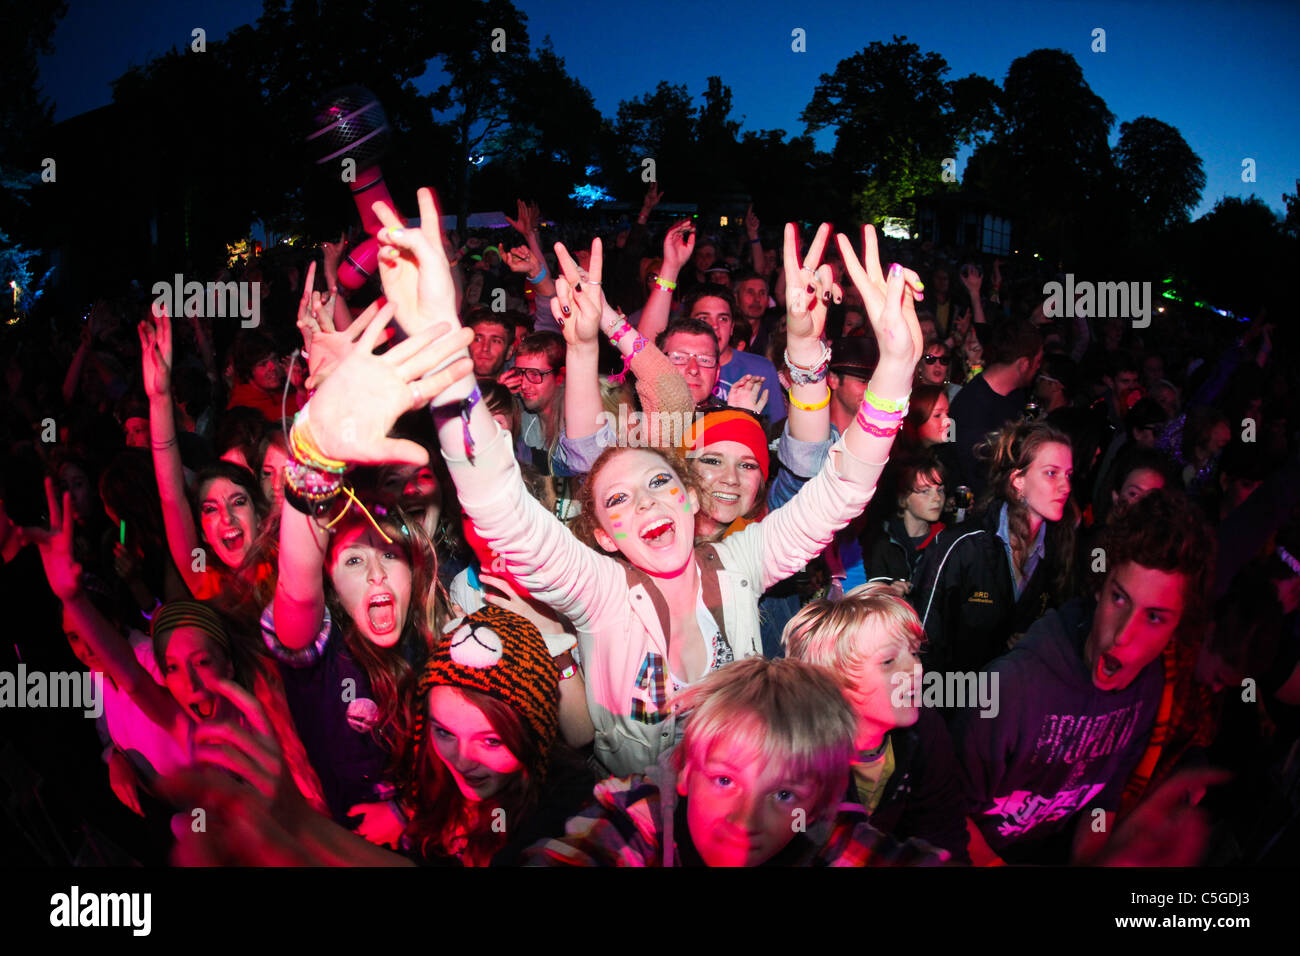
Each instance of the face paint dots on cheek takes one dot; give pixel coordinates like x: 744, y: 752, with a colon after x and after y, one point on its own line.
x: 620, y: 535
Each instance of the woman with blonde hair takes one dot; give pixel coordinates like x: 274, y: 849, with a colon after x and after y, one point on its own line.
x: 904, y: 771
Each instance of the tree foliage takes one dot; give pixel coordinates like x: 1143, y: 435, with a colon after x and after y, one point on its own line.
x: 1162, y: 175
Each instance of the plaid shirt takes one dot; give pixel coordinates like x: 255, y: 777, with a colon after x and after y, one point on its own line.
x: 626, y: 826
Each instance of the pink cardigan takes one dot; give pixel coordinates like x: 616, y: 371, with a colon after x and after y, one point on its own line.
x: 619, y: 615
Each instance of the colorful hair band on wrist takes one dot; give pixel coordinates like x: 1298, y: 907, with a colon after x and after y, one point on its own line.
x: 871, y: 428
x: 304, y: 449
x: 802, y: 375
x: 668, y: 285
x: 816, y: 407
x: 875, y: 414
x: 885, y: 404
x: 638, y: 344
x: 623, y: 329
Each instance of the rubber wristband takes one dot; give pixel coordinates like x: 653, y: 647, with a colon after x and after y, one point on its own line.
x: 817, y: 407
x: 541, y: 277
x: 668, y: 285
x: 886, y: 404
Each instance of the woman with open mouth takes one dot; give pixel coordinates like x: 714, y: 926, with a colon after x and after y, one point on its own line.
x: 216, y: 538
x: 193, y: 648
x: 355, y: 610
x: 661, y: 614
x: 487, y: 747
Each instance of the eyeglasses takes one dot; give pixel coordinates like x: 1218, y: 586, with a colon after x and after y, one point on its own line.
x: 931, y: 359
x: 534, y: 375
x: 684, y: 358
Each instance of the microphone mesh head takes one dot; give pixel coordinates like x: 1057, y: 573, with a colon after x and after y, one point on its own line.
x: 349, y: 123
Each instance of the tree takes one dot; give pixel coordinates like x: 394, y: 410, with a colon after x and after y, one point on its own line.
x: 1159, y: 171
x: 895, y: 122
x: 554, y: 135
x: 1292, y: 223
x: 1236, y: 229
x: 1050, y: 158
x: 659, y: 126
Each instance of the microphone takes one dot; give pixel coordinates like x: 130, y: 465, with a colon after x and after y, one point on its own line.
x: 350, y: 124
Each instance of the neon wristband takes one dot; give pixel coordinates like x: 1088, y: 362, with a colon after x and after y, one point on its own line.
x: 873, y: 429
x: 668, y: 285
x: 623, y: 329
x: 816, y: 407
x: 541, y: 276
x: 886, y: 404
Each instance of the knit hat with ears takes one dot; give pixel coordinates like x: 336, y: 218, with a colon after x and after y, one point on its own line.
x: 501, y: 654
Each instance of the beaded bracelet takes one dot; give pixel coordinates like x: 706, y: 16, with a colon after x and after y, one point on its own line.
x: 310, y: 490
x: 809, y: 376
x: 638, y: 344
x: 304, y: 449
x: 541, y: 276
x: 809, y: 408
x: 668, y: 285
x: 885, y: 404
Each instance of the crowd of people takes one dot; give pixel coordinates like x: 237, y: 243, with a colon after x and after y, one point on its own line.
x: 660, y: 549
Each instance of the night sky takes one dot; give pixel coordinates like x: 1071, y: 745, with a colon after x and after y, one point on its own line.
x: 1224, y: 73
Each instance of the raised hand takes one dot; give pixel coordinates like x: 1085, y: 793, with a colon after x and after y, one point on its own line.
x: 156, y: 349
x: 353, y: 411
x: 546, y: 620
x: 413, y: 267
x: 751, y: 222
x: 679, y: 246
x: 247, y: 749
x: 898, y: 333
x: 332, y: 255
x: 808, y: 288
x: 529, y: 217
x: 972, y: 278
x: 652, y: 198
x: 326, y: 348
x: 55, y: 545
x: 748, y: 393
x: 579, y: 302
x: 520, y: 259
x: 315, y: 311
x: 381, y: 822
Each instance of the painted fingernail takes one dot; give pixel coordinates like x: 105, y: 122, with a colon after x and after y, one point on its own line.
x: 919, y: 285
x: 577, y: 287
x: 826, y: 298
x: 397, y: 232
x: 564, y: 309
x: 894, y: 270
x: 811, y: 290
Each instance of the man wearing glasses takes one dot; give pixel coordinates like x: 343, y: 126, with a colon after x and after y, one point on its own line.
x: 537, y: 381
x: 713, y: 304
x: 692, y: 347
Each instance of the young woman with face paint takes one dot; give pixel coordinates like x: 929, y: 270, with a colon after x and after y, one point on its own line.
x: 662, y: 615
